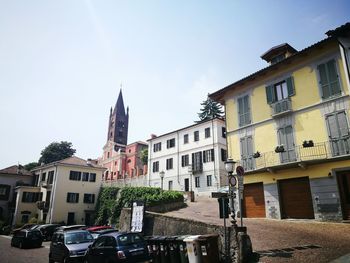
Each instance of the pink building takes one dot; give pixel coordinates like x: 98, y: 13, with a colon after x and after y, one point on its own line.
x: 121, y: 160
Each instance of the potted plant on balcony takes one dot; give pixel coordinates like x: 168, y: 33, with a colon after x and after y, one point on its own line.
x: 309, y: 143
x: 279, y: 149
x: 256, y: 155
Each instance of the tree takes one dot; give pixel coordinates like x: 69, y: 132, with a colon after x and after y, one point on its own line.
x: 30, y: 166
x: 56, y: 151
x: 210, y: 110
x: 144, y: 156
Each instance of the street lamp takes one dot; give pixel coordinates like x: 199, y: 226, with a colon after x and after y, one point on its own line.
x: 190, y: 171
x: 229, y: 167
x: 161, y: 174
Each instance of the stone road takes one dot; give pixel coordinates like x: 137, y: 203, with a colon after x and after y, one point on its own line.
x: 281, y: 240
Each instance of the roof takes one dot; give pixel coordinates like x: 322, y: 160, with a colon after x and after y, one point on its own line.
x: 193, y: 125
x: 138, y: 142
x: 15, y: 170
x: 73, y: 160
x: 282, y: 48
x: 332, y: 34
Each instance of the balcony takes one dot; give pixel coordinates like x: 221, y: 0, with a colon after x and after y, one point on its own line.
x: 298, y: 156
x: 281, y: 107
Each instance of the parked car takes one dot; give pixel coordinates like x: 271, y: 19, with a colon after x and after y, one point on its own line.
x: 27, y: 238
x: 47, y: 230
x: 25, y: 226
x: 97, y: 233
x: 68, y: 246
x: 118, y: 247
x: 71, y: 227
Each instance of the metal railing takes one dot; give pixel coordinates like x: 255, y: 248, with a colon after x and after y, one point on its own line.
x: 281, y: 106
x: 298, y: 154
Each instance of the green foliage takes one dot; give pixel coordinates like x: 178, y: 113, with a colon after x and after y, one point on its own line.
x: 30, y: 166
x: 144, y: 156
x: 33, y: 220
x: 111, y: 200
x: 210, y: 110
x: 56, y: 151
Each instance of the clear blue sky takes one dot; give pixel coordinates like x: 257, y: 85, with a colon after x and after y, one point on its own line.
x: 62, y: 62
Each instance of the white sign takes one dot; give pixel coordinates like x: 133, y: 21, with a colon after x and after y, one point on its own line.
x: 137, y: 217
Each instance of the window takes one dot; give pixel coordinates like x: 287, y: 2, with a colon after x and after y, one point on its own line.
x: 338, y: 131
x: 72, y: 197
x: 197, y: 181
x: 170, y: 185
x: 25, y: 218
x: 207, y: 132
x: 280, y: 91
x: 155, y: 166
x: 43, y: 177
x: 30, y: 197
x: 4, y: 192
x: 169, y: 163
x: 328, y: 79
x: 277, y: 58
x: 223, y: 132
x: 243, y: 111
x: 196, y: 136
x: 157, y: 147
x: 208, y: 156
x: 247, y: 160
x: 50, y: 177
x: 285, y: 137
x: 185, y: 138
x: 197, y: 164
x: 85, y: 177
x: 209, y: 180
x: 185, y: 160
x: 92, y: 177
x: 170, y: 143
x: 223, y: 155
x: 74, y: 175
x: 89, y: 198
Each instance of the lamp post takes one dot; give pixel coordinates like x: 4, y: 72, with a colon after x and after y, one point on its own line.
x: 190, y: 171
x: 161, y: 174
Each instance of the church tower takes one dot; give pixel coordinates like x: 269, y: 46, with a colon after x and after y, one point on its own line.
x: 118, y: 124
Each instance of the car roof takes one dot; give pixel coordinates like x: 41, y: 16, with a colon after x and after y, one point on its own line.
x: 116, y: 234
x: 71, y: 231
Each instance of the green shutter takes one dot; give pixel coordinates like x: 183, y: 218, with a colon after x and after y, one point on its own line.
x: 333, y: 77
x: 290, y: 86
x: 270, y: 94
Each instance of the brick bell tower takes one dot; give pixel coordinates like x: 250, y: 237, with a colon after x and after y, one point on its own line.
x: 118, y: 125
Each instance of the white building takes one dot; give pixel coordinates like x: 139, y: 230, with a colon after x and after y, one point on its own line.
x: 201, y: 146
x: 64, y: 191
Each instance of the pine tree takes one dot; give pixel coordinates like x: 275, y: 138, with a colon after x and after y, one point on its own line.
x: 210, y: 109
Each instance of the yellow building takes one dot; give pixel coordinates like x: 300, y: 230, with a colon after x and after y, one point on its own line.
x: 64, y: 191
x: 288, y: 126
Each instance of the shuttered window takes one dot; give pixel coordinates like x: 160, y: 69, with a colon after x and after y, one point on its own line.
x: 280, y: 91
x: 208, y: 156
x: 285, y: 137
x: 197, y: 164
x: 338, y: 132
x: 243, y: 111
x: 169, y: 163
x: 184, y: 160
x: 247, y: 160
x: 328, y: 79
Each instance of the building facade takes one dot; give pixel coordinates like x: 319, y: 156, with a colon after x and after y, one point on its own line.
x: 64, y: 191
x: 201, y: 146
x: 10, y: 178
x: 288, y: 126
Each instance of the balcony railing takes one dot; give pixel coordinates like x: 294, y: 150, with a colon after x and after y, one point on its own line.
x: 298, y: 155
x: 281, y: 107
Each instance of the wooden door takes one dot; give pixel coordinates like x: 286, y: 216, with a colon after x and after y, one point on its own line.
x: 254, y: 200
x: 295, y: 198
x: 344, y: 190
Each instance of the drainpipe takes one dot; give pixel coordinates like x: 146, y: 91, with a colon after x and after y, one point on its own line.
x: 178, y: 158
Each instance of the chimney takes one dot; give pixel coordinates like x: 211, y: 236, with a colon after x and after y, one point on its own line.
x: 153, y: 136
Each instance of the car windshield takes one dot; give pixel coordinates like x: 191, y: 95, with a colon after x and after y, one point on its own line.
x: 129, y: 239
x: 78, y: 237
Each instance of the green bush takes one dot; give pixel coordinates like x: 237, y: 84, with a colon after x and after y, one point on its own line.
x: 111, y: 200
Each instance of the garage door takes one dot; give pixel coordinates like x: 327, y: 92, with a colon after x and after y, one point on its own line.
x: 254, y: 201
x: 295, y: 198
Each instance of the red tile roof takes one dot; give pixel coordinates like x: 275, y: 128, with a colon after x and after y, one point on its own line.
x: 16, y: 170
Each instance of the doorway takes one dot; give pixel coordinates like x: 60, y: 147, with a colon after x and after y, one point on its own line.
x: 70, y: 219
x: 344, y: 191
x: 187, y: 185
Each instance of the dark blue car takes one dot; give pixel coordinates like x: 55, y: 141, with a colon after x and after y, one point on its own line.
x: 118, y: 247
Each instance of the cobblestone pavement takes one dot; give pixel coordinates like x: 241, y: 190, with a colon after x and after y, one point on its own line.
x: 280, y: 240
x: 10, y: 254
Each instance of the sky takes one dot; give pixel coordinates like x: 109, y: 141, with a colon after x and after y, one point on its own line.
x: 62, y: 63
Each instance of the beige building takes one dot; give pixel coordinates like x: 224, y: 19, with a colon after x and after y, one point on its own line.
x: 64, y: 191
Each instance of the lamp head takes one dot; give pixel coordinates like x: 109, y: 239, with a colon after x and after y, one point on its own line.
x: 230, y: 165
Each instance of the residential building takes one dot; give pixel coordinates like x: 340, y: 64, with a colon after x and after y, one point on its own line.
x: 63, y: 191
x: 201, y: 146
x: 10, y: 178
x: 122, y: 161
x: 288, y: 126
